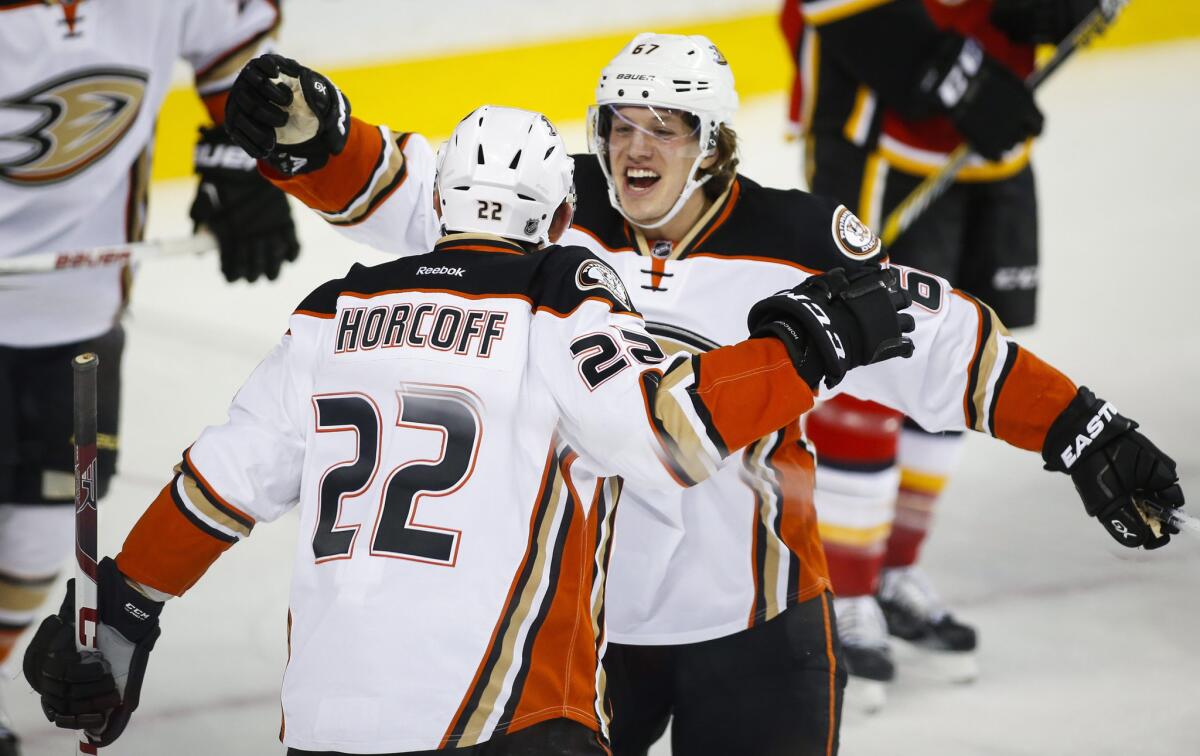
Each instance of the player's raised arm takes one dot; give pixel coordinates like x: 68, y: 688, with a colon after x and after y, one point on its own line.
x: 968, y: 373
x: 369, y: 182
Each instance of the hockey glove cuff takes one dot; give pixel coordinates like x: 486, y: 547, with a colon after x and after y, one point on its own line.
x: 990, y: 106
x: 1124, y: 480
x: 288, y: 115
x: 96, y: 692
x: 836, y: 321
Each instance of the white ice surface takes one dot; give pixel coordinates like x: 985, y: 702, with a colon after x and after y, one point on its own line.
x: 1085, y: 648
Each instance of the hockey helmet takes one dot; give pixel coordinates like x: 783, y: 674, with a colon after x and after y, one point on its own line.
x: 671, y: 72
x: 504, y: 171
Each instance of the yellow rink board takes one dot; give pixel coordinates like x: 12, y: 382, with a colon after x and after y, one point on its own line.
x: 430, y: 94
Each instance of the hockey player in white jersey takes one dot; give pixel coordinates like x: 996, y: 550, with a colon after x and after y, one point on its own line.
x: 719, y: 600
x: 81, y: 83
x: 448, y: 426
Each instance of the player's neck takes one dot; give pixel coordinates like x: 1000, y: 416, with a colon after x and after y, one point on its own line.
x: 687, y: 217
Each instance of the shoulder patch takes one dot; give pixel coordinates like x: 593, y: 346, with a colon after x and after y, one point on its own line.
x: 852, y: 236
x: 593, y: 274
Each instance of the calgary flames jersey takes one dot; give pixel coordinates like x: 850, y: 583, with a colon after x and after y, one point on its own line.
x: 80, y: 90
x: 426, y: 417
x: 828, y: 98
x: 736, y: 550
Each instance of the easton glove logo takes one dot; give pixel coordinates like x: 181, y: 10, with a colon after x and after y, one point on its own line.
x: 1095, y: 426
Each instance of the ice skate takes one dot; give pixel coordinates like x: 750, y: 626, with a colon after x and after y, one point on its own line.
x: 916, y: 615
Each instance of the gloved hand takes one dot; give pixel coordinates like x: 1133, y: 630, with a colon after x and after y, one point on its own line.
x: 1038, y: 22
x: 837, y: 321
x: 1116, y: 470
x: 249, y: 216
x: 95, y: 692
x: 286, y: 114
x: 989, y: 105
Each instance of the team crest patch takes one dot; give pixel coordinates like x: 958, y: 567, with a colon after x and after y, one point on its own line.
x: 853, y: 238
x: 593, y: 274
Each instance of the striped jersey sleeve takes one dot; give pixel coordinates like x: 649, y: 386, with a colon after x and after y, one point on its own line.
x: 377, y: 191
x: 658, y: 421
x: 219, y: 38
x: 235, y: 475
x: 967, y: 372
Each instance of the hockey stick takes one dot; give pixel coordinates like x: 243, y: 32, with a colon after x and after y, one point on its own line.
x: 1171, y: 515
x: 935, y: 185
x: 86, y: 483
x: 116, y: 254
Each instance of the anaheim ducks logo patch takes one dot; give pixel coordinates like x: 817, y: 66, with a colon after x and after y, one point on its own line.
x: 852, y: 236
x: 59, y: 128
x: 593, y: 274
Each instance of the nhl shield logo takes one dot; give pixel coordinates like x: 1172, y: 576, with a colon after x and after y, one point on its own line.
x: 531, y: 226
x: 852, y: 236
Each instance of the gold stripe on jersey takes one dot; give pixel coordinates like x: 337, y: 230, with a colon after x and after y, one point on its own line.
x: 138, y: 199
x: 980, y: 369
x: 201, y: 504
x: 769, y: 554
x: 870, y: 197
x: 22, y: 594
x: 390, y: 172
x: 681, y: 441
x: 920, y: 162
x: 827, y: 11
x: 604, y: 510
x: 852, y: 537
x: 858, y: 126
x: 470, y: 725
x: 220, y: 72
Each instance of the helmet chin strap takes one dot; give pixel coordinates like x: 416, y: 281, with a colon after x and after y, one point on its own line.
x: 688, y: 190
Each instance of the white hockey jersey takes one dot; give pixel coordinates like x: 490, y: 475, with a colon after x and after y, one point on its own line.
x: 80, y: 88
x: 425, y: 416
x: 738, y: 549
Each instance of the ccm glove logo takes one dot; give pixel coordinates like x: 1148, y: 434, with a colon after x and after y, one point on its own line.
x: 819, y: 313
x: 1095, y: 426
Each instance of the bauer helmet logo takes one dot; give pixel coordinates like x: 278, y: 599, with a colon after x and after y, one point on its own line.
x: 67, y: 124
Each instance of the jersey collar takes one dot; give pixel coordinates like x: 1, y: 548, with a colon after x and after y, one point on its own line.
x: 479, y: 243
x: 713, y: 218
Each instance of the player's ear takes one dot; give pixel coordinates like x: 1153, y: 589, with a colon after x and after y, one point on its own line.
x: 561, y: 221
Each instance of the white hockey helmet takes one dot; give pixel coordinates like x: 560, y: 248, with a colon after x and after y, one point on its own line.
x: 504, y: 171
x: 667, y: 71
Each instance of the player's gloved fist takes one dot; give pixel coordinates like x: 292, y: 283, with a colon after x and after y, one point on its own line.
x: 837, y: 321
x: 1125, y: 481
x: 286, y: 114
x: 1035, y: 22
x: 96, y: 692
x: 990, y: 106
x: 249, y: 216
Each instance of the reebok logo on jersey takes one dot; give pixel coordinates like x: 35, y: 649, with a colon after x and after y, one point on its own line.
x: 1095, y: 426
x: 440, y: 271
x: 57, y: 129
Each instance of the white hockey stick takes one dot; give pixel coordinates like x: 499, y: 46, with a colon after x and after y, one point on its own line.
x: 117, y: 254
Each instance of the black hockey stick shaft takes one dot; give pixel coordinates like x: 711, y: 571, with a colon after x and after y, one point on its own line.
x: 935, y: 185
x: 86, y: 490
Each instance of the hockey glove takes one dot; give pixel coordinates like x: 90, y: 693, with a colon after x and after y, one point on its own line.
x: 1040, y: 22
x: 249, y: 216
x: 1123, y: 479
x: 838, y: 321
x: 286, y: 114
x: 989, y: 105
x: 95, y: 692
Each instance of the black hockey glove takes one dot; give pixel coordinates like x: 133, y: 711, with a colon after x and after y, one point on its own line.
x: 1039, y: 22
x: 95, y: 692
x: 989, y: 105
x: 1123, y: 479
x: 838, y: 321
x: 249, y: 216
x: 286, y: 114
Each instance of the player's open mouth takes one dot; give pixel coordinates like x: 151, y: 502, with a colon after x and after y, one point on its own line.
x: 640, y: 180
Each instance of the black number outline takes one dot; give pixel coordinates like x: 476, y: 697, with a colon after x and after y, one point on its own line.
x: 422, y: 393
x: 643, y: 347
x: 600, y: 358
x: 911, y: 280
x: 484, y: 206
x: 325, y: 542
